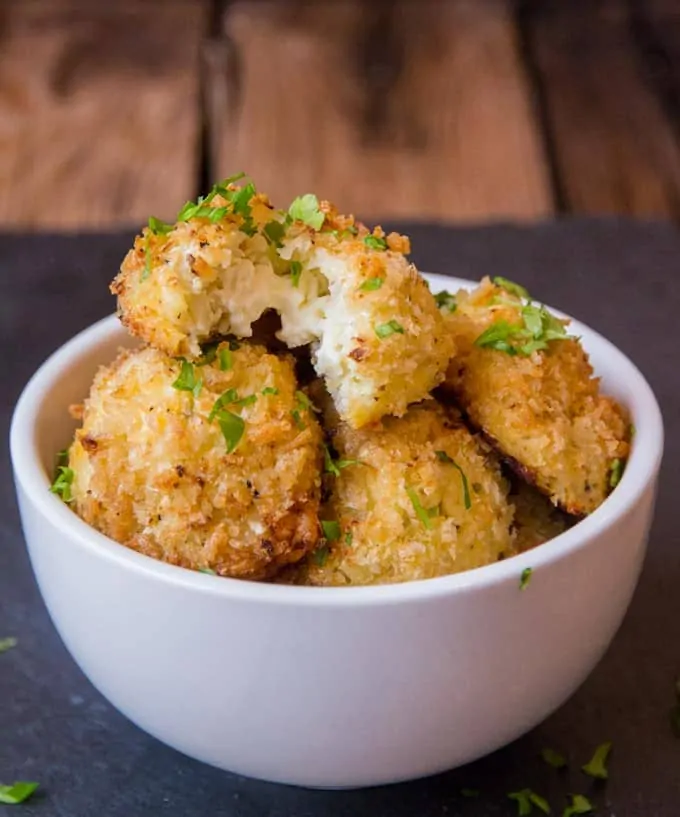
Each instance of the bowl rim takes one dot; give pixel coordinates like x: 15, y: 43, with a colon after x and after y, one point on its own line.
x: 638, y: 476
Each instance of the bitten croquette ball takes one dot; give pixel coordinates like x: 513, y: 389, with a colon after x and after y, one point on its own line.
x: 212, y: 465
x: 530, y: 388
x: 409, y: 498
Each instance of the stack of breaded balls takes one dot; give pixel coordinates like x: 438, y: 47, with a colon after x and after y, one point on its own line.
x: 304, y: 410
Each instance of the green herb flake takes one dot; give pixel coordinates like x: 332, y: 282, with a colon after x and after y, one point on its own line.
x: 8, y: 643
x: 371, y: 284
x: 445, y: 300
x: 384, y: 330
x: 526, y: 799
x: 615, y: 473
x: 269, y: 390
x: 442, y: 456
x: 295, y: 272
x: 579, y: 805
x: 226, y: 359
x: 525, y: 578
x: 421, y: 513
x: 207, y: 570
x: 208, y: 354
x: 329, y: 465
x: 349, y: 536
x: 17, y: 793
x: 306, y: 209
x: 320, y: 556
x: 331, y: 530
x: 470, y: 793
x: 596, y: 766
x: 188, y: 380
x: 147, y: 259
x: 303, y: 401
x: 232, y: 427
x: 497, y: 337
x: 511, y: 287
x: 62, y: 483
x: 274, y: 231
x: 375, y: 242
x: 553, y: 758
x: 159, y: 227
x: 295, y: 414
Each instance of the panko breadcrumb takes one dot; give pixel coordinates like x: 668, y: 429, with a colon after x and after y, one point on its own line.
x: 378, y: 338
x: 537, y: 520
x: 409, y: 498
x: 537, y: 402
x: 153, y: 469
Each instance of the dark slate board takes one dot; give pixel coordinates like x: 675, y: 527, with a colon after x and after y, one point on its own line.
x: 623, y: 278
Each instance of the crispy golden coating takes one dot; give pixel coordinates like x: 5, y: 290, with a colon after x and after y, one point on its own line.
x: 542, y: 410
x: 537, y: 520
x: 153, y: 471
x: 377, y: 335
x: 414, y: 498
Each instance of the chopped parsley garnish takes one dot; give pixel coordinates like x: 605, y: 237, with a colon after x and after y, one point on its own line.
x: 331, y: 530
x: 371, y: 284
x: 306, y: 209
x: 579, y: 805
x: 511, y: 287
x: 274, y: 231
x: 207, y: 570
x: 7, y: 644
x: 675, y: 711
x: 295, y: 414
x: 384, y: 330
x: 538, y: 327
x: 334, y: 467
x: 230, y: 398
x: 303, y: 401
x: 159, y: 227
x: 295, y: 272
x: 147, y: 259
x: 208, y: 354
x: 442, y: 456
x: 525, y: 578
x: 553, y: 758
x: 239, y: 202
x: 596, y: 766
x: 62, y: 483
x: 226, y: 359
x: 202, y: 209
x: 375, y: 242
x: 421, y: 513
x: 17, y: 792
x: 232, y: 427
x: 445, y: 300
x: 615, y: 473
x: 348, y: 537
x: 188, y: 380
x: 526, y: 799
x: 470, y: 793
x: 320, y: 556
x: 269, y: 390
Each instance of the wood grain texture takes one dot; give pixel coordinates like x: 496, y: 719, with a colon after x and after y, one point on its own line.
x: 386, y: 108
x: 613, y: 146
x: 99, y: 110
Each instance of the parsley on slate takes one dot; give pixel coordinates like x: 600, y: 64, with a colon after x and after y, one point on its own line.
x: 596, y: 766
x: 7, y: 644
x: 384, y: 330
x: 445, y: 300
x: 442, y: 456
x: 371, y: 284
x: 553, y: 758
x: 470, y: 792
x: 17, y: 792
x: 375, y: 242
x: 187, y: 379
x: 306, y: 209
x: 421, y: 513
x: 526, y: 799
x: 579, y: 805
x: 525, y: 577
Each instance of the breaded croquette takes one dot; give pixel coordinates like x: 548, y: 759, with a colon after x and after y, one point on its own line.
x: 409, y: 498
x: 213, y: 466
x: 537, y: 520
x: 377, y: 336
x: 530, y: 388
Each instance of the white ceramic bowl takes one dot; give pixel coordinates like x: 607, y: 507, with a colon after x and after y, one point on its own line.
x: 330, y: 687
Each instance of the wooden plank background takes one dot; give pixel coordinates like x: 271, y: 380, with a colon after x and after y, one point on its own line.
x: 452, y: 110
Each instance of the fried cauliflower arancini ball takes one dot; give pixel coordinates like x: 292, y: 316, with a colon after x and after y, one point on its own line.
x: 377, y: 336
x: 410, y: 498
x: 530, y: 388
x: 212, y: 467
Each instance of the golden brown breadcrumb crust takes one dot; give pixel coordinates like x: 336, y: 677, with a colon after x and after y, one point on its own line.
x: 153, y: 472
x: 543, y: 412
